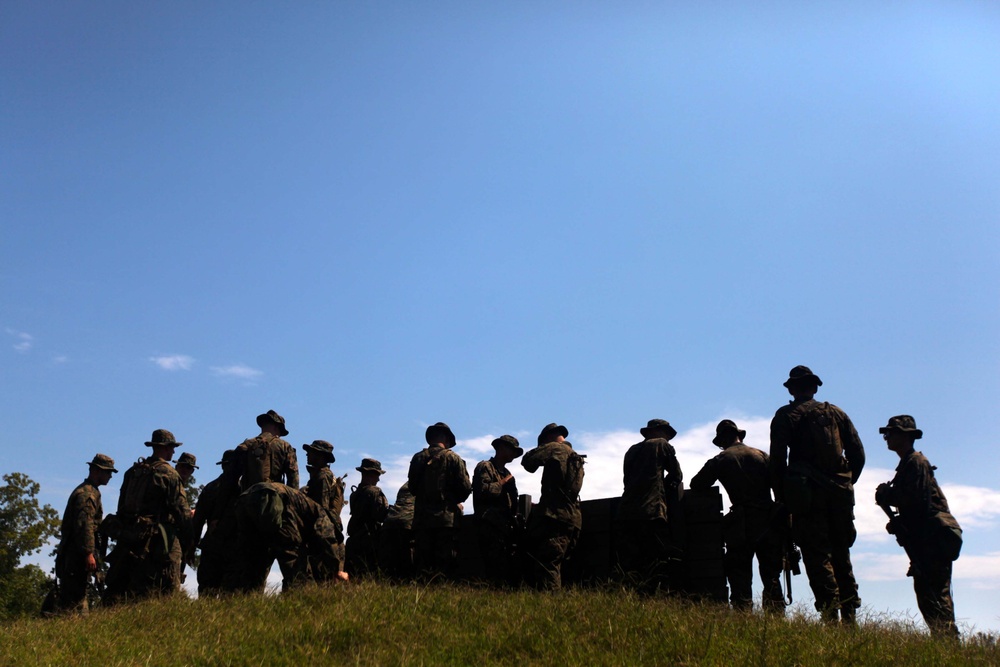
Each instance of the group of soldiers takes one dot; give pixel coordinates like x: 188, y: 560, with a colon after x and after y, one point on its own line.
x: 255, y: 513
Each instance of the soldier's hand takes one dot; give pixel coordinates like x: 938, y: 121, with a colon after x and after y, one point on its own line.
x: 91, y: 563
x: 889, y: 528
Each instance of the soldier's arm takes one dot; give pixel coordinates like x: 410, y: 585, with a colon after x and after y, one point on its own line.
x: 86, y: 525
x: 854, y: 451
x: 463, y: 485
x: 672, y: 465
x: 533, y: 459
x: 486, y: 482
x: 781, y: 436
x: 707, y: 476
x: 292, y: 468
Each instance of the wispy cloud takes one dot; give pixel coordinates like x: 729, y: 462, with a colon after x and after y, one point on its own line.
x: 25, y: 341
x: 173, y: 362
x: 60, y: 360
x: 239, y: 371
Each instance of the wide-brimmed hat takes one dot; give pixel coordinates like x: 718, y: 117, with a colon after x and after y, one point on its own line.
x: 801, y: 374
x: 904, y: 423
x: 370, y: 465
x: 509, y: 441
x: 321, y: 447
x: 186, y: 459
x: 272, y: 416
x: 228, y: 456
x: 551, y: 430
x: 162, y: 436
x: 727, y: 426
x: 435, y: 431
x: 104, y: 462
x: 658, y: 424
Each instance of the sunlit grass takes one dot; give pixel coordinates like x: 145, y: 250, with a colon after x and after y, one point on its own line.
x: 377, y: 624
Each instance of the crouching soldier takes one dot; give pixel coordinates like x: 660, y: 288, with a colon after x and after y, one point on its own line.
x: 752, y: 526
x: 278, y: 522
x: 924, y: 526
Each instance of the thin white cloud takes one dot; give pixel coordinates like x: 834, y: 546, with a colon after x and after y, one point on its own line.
x: 25, y: 341
x: 173, y: 362
x: 60, y: 360
x: 239, y: 371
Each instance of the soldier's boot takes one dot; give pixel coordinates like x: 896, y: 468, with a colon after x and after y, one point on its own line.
x: 849, y: 617
x: 830, y: 615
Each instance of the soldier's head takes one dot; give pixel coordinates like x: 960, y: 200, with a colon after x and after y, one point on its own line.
x: 802, y: 383
x: 101, y: 469
x: 727, y: 434
x: 658, y: 428
x: 185, y: 465
x: 319, y: 454
x: 371, y: 470
x: 900, y: 433
x: 553, y: 433
x: 228, y: 462
x: 507, y: 448
x: 273, y: 423
x: 439, y: 434
x: 163, y: 444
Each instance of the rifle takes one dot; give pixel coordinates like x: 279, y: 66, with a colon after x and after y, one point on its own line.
x: 790, y: 559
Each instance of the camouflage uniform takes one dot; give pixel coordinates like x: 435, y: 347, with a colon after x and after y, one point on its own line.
x: 369, y: 508
x: 440, y: 483
x: 217, y: 509
x: 923, y: 510
x: 267, y: 458
x: 750, y: 527
x: 642, y: 529
x: 154, y: 516
x: 303, y: 528
x: 496, y: 520
x: 396, y: 537
x: 83, y: 515
x: 816, y: 483
x: 327, y: 490
x: 555, y: 522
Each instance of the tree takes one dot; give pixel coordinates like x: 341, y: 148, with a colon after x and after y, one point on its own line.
x: 25, y: 527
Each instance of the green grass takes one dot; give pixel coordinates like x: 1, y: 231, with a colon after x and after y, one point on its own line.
x: 377, y: 624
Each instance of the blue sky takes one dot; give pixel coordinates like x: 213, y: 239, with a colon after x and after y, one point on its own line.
x: 374, y: 216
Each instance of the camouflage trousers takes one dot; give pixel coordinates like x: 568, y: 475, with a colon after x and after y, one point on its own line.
x: 547, y: 545
x: 362, y: 555
x: 499, y: 554
x: 752, y: 534
x: 932, y: 584
x: 644, y: 555
x: 73, y: 584
x: 143, y: 570
x: 826, y: 533
x: 436, y: 552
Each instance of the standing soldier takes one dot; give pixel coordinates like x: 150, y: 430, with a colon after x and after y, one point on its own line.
x: 217, y: 509
x: 395, y: 555
x: 266, y: 457
x: 651, y: 472
x: 368, y: 510
x: 555, y: 522
x: 816, y: 458
x: 328, y: 491
x: 494, y: 498
x: 440, y: 484
x: 154, y: 517
x: 750, y: 527
x: 79, y: 555
x: 924, y: 526
x: 185, y: 467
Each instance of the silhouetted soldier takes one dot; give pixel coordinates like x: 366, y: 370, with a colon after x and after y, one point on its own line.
x: 651, y: 472
x: 368, y: 507
x: 751, y: 526
x: 555, y: 522
x: 216, y: 509
x: 396, y: 537
x: 924, y: 527
x: 440, y: 484
x: 328, y: 491
x: 816, y: 458
x: 78, y: 555
x: 266, y: 457
x: 494, y: 498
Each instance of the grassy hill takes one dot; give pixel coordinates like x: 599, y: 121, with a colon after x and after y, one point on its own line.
x: 377, y: 624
